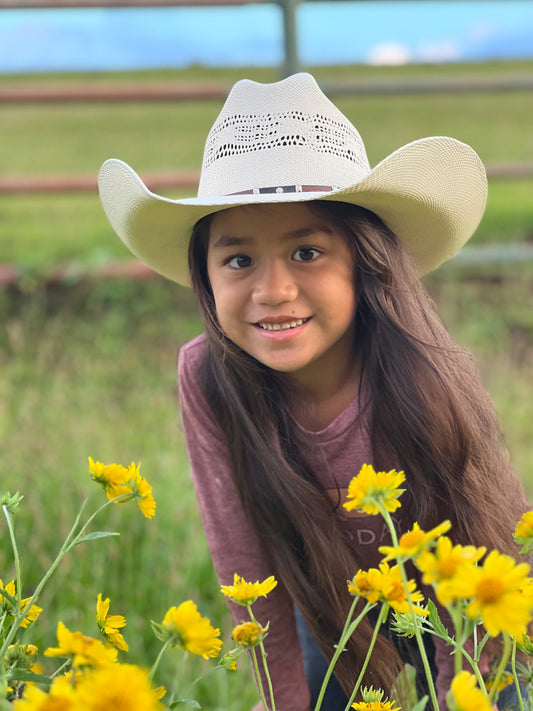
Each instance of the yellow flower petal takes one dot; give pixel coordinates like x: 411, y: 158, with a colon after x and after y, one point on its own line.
x: 414, y: 541
x: 496, y: 594
x: 190, y: 631
x: 467, y: 696
x: 370, y: 489
x: 122, y: 687
x: 84, y: 651
x: 249, y: 634
x: 244, y: 593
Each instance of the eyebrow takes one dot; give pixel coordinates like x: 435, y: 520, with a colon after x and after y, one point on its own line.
x: 234, y: 241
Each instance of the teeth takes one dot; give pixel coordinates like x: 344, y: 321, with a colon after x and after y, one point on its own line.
x: 282, y: 326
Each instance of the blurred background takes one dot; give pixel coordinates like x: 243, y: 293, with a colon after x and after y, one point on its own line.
x: 89, y: 337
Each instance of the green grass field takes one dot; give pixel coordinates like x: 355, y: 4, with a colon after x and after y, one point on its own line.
x: 89, y: 368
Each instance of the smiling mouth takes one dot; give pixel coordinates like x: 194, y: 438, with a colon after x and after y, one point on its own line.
x: 282, y: 326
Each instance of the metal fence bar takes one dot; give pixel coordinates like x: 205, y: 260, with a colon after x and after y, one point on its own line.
x: 73, y: 4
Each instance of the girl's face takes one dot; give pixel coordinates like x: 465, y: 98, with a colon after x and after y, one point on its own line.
x: 282, y: 279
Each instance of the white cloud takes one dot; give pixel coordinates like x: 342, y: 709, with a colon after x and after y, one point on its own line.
x: 482, y: 31
x: 435, y: 52
x: 389, y: 53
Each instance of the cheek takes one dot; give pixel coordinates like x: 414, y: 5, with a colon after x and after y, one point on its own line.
x: 226, y: 308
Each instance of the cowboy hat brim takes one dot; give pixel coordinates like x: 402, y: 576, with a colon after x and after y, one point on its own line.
x: 431, y: 193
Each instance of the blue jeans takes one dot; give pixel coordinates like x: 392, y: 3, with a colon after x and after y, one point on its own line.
x: 315, y: 666
x: 508, y: 699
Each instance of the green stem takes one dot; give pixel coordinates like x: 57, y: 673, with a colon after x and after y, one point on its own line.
x: 501, y: 666
x: 71, y: 540
x: 471, y: 660
x: 515, y: 676
x: 418, y: 635
x: 265, y: 665
x: 457, y: 619
x: 482, y: 645
x: 382, y: 617
x: 155, y: 665
x: 18, y: 619
x: 60, y: 669
x: 74, y: 542
x: 16, y: 558
x: 349, y: 629
x: 259, y: 680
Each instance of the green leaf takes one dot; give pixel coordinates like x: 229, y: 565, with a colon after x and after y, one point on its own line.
x: 22, y: 675
x: 436, y: 622
x: 525, y: 645
x: 190, y: 702
x: 421, y: 705
x: 160, y: 632
x: 96, y: 534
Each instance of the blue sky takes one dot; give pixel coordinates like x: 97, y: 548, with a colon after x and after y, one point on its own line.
x: 329, y: 32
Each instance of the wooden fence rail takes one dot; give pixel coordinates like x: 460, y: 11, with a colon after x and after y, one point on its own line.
x: 69, y: 92
x: 188, y: 180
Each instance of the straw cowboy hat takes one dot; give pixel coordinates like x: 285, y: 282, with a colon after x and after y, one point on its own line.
x: 286, y: 142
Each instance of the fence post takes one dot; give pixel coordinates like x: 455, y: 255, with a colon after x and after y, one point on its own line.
x: 290, y: 40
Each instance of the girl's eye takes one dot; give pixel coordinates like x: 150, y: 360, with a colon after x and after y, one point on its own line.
x: 240, y: 261
x: 305, y: 254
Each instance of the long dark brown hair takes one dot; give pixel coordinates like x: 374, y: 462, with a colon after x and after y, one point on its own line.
x: 429, y: 411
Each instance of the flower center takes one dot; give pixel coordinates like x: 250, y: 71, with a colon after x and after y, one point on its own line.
x: 489, y: 590
x: 412, y: 539
x: 396, y: 592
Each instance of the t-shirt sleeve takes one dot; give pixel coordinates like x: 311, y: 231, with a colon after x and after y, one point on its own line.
x: 233, y: 544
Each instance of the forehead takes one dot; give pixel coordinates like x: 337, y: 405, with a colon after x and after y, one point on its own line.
x: 282, y: 218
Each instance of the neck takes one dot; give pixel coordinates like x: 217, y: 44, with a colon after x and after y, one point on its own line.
x: 314, y: 405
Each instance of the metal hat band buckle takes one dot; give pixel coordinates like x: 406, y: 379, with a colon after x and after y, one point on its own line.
x: 288, y: 189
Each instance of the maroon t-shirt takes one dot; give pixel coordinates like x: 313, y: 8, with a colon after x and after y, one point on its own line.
x: 336, y: 455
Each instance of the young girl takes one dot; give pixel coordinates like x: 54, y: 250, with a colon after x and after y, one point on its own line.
x: 322, y: 352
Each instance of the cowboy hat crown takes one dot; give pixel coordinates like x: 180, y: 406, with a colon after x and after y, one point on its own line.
x: 287, y: 142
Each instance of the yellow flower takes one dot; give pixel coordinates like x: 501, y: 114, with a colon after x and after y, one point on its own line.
x: 32, y: 614
x: 84, y: 651
x: 121, y: 687
x: 190, y: 631
x: 7, y: 606
x: 414, y: 541
x: 160, y: 692
x: 376, y: 706
x: 466, y: 695
x: 373, y: 701
x: 369, y: 490
x: 523, y: 533
x: 141, y: 490
x: 244, y: 593
x: 440, y: 567
x: 110, y: 624
x: 362, y: 584
x: 21, y: 655
x: 113, y: 478
x: 249, y: 634
x: 119, y: 481
x: 506, y: 680
x: 495, y: 591
x: 61, y: 697
x: 385, y: 585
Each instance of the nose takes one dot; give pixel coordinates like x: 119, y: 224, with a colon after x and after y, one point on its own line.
x: 274, y: 283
